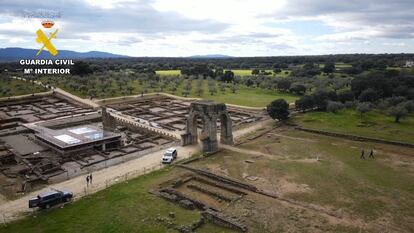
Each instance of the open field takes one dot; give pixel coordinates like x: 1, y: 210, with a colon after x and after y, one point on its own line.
x: 338, y: 65
x: 373, y: 124
x: 125, y: 207
x: 245, y: 96
x: 168, y: 72
x: 248, y: 72
x: 407, y: 69
x: 367, y: 195
x: 245, y: 72
x: 338, y: 193
x: 14, y: 87
x: 237, y: 72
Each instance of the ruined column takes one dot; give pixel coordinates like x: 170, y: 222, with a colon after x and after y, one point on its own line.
x: 108, y: 121
x: 209, y: 137
x: 226, y: 134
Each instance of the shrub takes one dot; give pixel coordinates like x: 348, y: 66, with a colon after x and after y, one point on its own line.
x: 298, y: 89
x: 278, y: 109
x: 321, y: 98
x: 363, y: 108
x: 350, y: 104
x: 398, y: 112
x: 334, y: 106
x: 368, y: 95
x: 345, y: 96
x: 304, y: 103
x: 409, y: 105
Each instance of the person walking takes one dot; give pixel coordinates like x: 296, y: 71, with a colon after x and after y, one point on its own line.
x: 87, y: 181
x: 90, y: 178
x: 371, y: 154
x: 362, y: 154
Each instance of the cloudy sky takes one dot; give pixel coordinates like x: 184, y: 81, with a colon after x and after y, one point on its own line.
x: 198, y: 27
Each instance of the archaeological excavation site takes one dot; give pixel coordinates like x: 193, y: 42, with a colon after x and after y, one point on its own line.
x: 50, y: 138
x: 237, y: 169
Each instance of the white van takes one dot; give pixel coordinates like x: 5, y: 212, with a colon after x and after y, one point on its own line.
x: 169, y: 155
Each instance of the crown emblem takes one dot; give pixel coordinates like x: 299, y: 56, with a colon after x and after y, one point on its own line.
x: 48, y: 23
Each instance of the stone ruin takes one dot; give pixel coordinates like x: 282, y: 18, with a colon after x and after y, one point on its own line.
x: 209, y: 112
x: 108, y: 121
x: 209, y: 193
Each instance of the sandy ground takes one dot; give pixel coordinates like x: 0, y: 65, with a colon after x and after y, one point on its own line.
x: 245, y: 151
x: 252, y: 128
x: 12, y: 210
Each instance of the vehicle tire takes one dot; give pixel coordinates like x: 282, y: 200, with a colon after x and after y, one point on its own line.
x: 67, y: 199
x: 47, y: 206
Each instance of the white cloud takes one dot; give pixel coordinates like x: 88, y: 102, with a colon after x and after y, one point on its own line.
x: 16, y: 40
x: 394, y: 44
x: 108, y: 4
x: 233, y: 27
x: 229, y: 11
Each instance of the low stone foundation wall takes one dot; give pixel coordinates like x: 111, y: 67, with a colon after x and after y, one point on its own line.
x: 183, y: 200
x: 223, y: 220
x: 355, y: 137
x: 70, y: 99
x: 210, y: 193
x: 233, y: 182
x: 230, y: 189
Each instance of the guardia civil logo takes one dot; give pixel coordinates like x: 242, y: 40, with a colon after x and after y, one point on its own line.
x: 46, y: 41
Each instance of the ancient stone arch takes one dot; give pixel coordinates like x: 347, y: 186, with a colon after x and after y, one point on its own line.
x: 209, y: 112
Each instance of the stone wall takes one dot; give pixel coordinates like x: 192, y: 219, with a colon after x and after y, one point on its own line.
x: 76, y: 101
x: 355, y: 137
x: 145, y: 128
x: 213, y: 176
x: 223, y: 220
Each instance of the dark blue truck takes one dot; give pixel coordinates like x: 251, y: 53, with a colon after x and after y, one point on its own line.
x: 49, y: 199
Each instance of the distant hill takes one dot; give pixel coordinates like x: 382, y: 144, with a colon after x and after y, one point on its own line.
x: 20, y: 53
x: 211, y: 56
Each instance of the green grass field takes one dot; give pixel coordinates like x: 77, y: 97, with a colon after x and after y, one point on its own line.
x: 248, y: 72
x: 373, y: 124
x: 14, y: 87
x: 368, y: 190
x: 240, y: 72
x: 237, y: 72
x: 338, y: 65
x: 364, y: 189
x: 245, y: 96
x: 125, y: 207
x: 168, y: 72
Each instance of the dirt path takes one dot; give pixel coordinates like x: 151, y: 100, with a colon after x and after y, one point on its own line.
x: 74, y: 97
x: 294, y: 138
x: 245, y: 151
x: 244, y: 131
